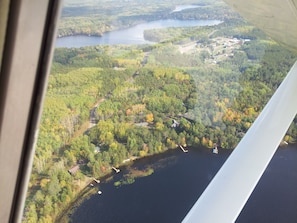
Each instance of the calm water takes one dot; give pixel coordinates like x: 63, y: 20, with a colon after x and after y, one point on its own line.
x: 275, y: 197
x: 130, y: 36
x: 179, y: 179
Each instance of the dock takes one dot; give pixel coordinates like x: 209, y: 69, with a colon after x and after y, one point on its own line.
x: 97, y: 181
x: 116, y: 170
x: 182, y: 148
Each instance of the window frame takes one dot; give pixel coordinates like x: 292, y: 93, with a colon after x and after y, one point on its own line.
x: 27, y: 46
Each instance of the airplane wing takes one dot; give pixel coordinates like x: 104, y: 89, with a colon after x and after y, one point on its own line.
x: 228, y: 192
x: 277, y: 18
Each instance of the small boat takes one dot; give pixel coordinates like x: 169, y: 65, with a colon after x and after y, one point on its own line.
x: 99, y: 192
x: 215, y: 150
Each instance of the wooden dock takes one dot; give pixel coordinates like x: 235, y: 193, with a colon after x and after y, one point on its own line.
x: 182, y: 148
x: 97, y: 181
x: 116, y: 170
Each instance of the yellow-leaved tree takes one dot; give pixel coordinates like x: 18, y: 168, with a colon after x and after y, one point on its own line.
x: 149, y: 117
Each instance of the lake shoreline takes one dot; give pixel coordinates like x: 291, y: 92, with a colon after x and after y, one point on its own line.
x: 167, y: 15
x: 88, y: 191
x: 133, y: 35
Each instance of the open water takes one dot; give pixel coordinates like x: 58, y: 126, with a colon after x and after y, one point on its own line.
x: 129, y: 36
x: 177, y: 182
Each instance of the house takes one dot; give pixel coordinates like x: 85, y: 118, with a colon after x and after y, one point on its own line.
x: 174, y: 123
x: 73, y: 169
x: 97, y: 149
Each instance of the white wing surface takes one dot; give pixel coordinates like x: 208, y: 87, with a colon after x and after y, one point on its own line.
x: 228, y: 192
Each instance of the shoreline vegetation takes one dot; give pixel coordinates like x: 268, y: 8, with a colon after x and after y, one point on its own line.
x: 95, y: 20
x: 131, y: 174
x: 198, y: 86
x: 127, y: 178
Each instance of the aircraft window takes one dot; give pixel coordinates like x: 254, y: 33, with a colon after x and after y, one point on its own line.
x: 145, y: 102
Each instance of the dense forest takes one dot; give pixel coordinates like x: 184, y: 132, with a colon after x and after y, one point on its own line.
x: 197, y: 86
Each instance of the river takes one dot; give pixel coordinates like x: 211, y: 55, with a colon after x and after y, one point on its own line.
x: 177, y: 182
x: 129, y: 36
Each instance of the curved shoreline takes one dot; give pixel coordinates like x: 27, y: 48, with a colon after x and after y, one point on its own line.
x: 131, y: 35
x: 168, y: 14
x: 113, y: 193
x: 88, y: 191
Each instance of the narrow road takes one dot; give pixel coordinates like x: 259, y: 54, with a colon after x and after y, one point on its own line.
x: 209, y: 35
x: 93, y: 120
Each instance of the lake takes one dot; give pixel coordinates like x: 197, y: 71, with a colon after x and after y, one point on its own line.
x: 129, y: 36
x: 177, y: 182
